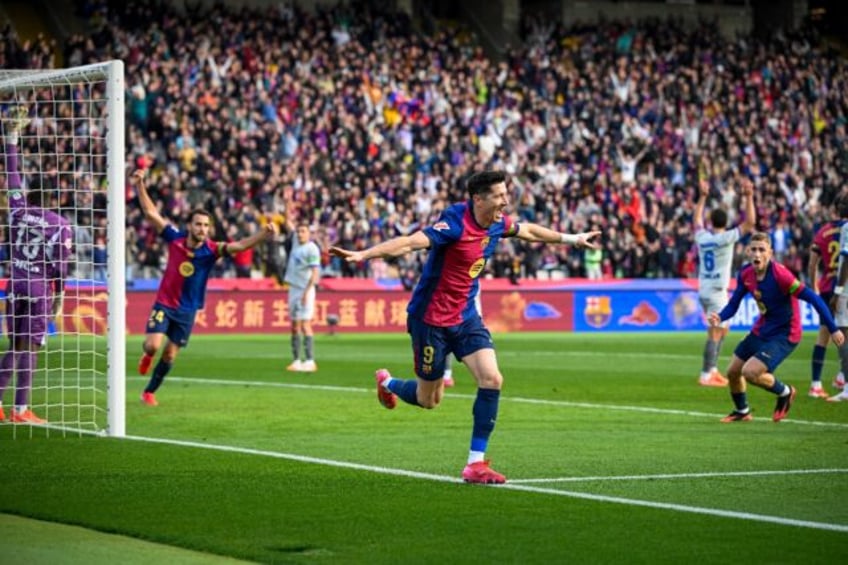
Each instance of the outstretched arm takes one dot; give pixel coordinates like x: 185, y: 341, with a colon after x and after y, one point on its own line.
x: 147, y: 205
x: 716, y: 318
x: 394, y: 247
x: 703, y: 192
x: 807, y: 295
x: 15, y: 121
x: 267, y: 232
x: 750, y: 212
x: 534, y: 232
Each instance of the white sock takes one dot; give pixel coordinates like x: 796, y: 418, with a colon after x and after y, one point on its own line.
x: 786, y: 390
x: 447, y: 374
x: 385, y: 383
x: 20, y: 408
x: 12, y: 138
x: 476, y: 456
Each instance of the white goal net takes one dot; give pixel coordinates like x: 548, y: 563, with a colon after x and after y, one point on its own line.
x: 62, y: 197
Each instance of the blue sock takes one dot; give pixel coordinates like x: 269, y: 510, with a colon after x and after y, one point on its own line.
x: 485, y: 413
x: 158, y: 376
x: 406, y: 390
x: 777, y: 388
x: 818, y: 362
x: 740, y: 400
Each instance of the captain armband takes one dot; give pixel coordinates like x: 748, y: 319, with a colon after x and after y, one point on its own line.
x: 840, y: 290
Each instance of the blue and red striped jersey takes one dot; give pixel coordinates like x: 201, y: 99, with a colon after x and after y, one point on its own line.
x: 459, y: 249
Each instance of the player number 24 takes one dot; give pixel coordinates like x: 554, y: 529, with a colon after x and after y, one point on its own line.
x: 157, y: 316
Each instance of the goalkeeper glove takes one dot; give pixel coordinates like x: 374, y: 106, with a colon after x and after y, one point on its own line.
x: 16, y: 120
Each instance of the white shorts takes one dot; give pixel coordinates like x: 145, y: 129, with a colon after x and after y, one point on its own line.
x: 714, y: 302
x: 841, y: 314
x: 297, y: 310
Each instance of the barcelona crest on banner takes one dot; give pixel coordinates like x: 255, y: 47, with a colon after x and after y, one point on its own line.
x: 598, y: 311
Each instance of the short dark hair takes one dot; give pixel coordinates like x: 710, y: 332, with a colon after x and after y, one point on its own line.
x: 199, y: 212
x: 481, y: 182
x: 718, y: 218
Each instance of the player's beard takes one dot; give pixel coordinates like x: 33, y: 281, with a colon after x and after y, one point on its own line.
x: 194, y: 242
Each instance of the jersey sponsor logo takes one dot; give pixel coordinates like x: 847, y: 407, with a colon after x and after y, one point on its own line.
x: 441, y: 226
x: 186, y: 268
x: 477, y: 268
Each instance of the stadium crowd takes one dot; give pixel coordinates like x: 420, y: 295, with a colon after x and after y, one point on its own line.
x: 352, y: 120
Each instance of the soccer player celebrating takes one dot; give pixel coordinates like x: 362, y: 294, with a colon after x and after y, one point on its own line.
x: 715, y: 253
x: 41, y: 245
x: 824, y: 252
x: 182, y: 291
x: 441, y: 315
x: 776, y: 332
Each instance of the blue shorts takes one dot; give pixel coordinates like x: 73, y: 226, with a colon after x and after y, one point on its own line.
x: 770, y: 351
x: 173, y: 323
x: 431, y: 344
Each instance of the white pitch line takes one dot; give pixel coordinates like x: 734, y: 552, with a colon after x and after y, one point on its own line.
x: 508, y: 486
x: 681, y: 476
x: 506, y: 398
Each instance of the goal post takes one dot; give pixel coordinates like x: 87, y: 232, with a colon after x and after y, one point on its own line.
x: 73, y: 148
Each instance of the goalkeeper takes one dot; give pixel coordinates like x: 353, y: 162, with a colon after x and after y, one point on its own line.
x: 41, y: 246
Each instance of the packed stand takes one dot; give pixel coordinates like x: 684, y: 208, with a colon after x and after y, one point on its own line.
x: 350, y: 120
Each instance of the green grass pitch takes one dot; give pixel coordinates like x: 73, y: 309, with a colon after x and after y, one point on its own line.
x: 613, y: 452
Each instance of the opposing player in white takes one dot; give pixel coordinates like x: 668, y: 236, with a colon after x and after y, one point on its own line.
x: 715, y: 254
x: 839, y: 305
x: 303, y: 272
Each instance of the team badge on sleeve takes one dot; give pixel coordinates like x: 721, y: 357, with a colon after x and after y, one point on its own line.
x: 441, y: 226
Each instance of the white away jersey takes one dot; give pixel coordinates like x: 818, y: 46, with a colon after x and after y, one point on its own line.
x: 715, y: 254
x: 302, y: 259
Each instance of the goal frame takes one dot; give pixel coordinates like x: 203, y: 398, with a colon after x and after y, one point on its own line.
x: 112, y: 74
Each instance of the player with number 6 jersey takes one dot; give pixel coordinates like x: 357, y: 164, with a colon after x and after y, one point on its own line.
x: 715, y: 254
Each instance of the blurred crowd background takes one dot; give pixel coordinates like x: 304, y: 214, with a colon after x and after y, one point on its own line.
x: 351, y: 119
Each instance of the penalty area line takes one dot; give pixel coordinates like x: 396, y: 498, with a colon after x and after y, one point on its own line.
x: 508, y: 486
